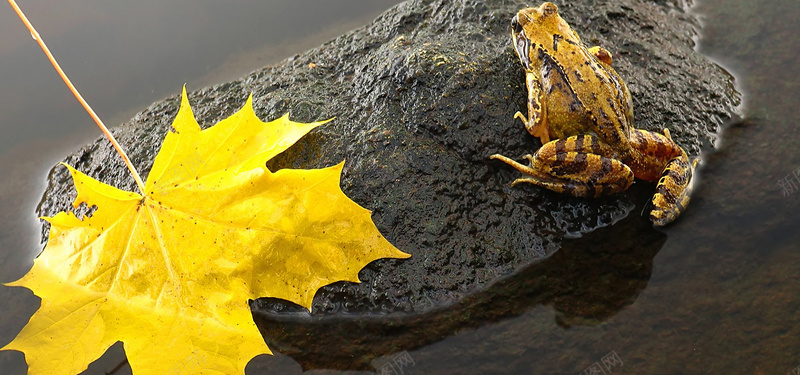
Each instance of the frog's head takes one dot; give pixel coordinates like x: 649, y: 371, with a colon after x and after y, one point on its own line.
x: 532, y: 28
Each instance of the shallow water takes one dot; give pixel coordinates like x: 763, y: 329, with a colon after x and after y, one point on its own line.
x: 719, y: 291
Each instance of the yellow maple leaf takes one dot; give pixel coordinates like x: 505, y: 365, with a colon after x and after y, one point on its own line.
x: 169, y: 273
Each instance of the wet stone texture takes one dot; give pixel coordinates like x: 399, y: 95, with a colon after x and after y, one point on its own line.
x: 422, y: 96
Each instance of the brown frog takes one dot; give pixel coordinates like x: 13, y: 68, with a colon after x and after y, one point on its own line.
x: 582, y: 112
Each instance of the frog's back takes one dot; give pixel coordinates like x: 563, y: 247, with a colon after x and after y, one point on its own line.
x: 585, y: 95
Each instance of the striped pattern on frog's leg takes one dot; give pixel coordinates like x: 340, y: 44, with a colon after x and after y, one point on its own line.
x: 658, y: 158
x: 674, y: 189
x: 581, y: 166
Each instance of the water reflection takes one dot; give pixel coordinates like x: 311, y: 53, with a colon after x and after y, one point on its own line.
x: 588, y: 281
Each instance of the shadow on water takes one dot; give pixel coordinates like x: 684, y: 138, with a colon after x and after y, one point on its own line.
x: 589, y: 280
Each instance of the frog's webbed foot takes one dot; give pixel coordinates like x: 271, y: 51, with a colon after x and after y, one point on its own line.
x: 580, y: 166
x: 601, y: 54
x: 673, y: 190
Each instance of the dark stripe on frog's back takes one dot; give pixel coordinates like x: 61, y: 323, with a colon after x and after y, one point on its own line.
x: 586, y: 104
x: 578, y: 76
x: 619, y: 87
x: 556, y: 38
x: 561, y: 94
x: 607, y: 75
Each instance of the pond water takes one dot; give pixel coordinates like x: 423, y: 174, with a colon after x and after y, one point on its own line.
x: 721, y: 295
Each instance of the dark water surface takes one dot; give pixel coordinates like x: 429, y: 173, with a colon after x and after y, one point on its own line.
x: 722, y: 295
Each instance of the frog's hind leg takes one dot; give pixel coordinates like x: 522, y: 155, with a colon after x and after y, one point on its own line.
x: 659, y: 158
x: 580, y: 166
x: 536, y: 123
x: 540, y: 177
x: 673, y: 190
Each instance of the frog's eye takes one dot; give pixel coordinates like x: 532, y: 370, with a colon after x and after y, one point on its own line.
x: 549, y: 9
x: 515, y: 26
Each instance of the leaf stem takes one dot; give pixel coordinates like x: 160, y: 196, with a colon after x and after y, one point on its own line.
x: 78, y: 96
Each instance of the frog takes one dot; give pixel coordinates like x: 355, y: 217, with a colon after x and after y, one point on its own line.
x: 582, y: 112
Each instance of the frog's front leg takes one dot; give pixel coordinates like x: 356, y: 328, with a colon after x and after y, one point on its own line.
x: 658, y: 157
x: 581, y: 166
x: 536, y: 122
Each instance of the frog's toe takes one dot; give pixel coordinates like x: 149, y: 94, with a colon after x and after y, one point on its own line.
x: 667, y: 134
x: 529, y: 158
x: 520, y: 167
x: 521, y: 117
x: 529, y: 180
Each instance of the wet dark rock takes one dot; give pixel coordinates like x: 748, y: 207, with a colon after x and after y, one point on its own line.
x: 422, y: 96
